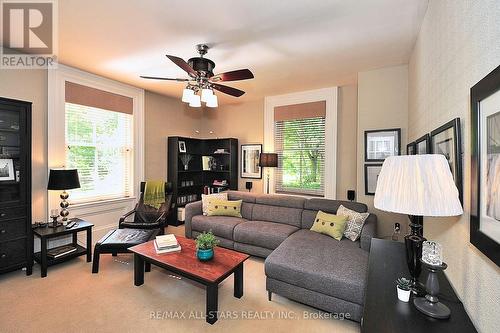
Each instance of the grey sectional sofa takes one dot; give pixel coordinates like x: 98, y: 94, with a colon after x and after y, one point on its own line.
x: 302, y: 265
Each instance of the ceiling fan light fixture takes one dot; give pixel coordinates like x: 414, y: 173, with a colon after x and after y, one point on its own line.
x: 205, y: 94
x: 187, y: 95
x: 195, y: 101
x: 212, y: 101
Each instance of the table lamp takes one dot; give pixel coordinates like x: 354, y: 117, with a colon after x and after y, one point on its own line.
x: 62, y: 179
x: 268, y: 160
x: 418, y: 186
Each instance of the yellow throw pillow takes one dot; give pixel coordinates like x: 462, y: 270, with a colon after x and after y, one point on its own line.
x: 217, y: 207
x: 330, y: 224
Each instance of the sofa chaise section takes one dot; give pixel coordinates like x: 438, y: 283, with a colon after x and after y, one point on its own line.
x: 308, y: 263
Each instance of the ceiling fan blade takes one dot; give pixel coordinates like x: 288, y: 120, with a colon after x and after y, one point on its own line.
x: 240, y: 74
x: 163, y: 78
x: 182, y: 64
x: 227, y: 90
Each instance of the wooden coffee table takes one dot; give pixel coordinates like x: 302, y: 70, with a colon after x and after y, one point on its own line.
x: 185, y: 263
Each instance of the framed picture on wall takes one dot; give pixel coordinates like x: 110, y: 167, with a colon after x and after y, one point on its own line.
x: 485, y: 166
x: 411, y: 148
x: 446, y: 140
x: 380, y: 144
x: 423, y: 145
x: 250, y: 161
x: 371, y: 176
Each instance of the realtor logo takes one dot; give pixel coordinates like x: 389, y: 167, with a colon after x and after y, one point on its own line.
x: 28, y: 33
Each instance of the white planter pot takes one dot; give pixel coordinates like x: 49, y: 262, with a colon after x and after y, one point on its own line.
x: 403, y: 295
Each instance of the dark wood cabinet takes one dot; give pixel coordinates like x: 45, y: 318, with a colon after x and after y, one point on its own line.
x: 15, y: 186
x: 189, y: 183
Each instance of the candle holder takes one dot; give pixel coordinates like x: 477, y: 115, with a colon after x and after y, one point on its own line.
x: 430, y: 305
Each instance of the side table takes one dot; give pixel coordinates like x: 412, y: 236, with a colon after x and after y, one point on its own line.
x: 45, y: 233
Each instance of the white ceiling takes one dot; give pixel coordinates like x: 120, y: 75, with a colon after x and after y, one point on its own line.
x: 289, y: 45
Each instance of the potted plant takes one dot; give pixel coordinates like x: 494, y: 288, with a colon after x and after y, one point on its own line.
x: 205, y: 244
x: 404, y: 289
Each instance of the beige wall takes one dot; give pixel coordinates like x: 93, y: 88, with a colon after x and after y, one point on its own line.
x: 243, y: 121
x: 457, y: 46
x: 31, y: 86
x: 165, y: 116
x: 382, y: 103
x: 347, y: 120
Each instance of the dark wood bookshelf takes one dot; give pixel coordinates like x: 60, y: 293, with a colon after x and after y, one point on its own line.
x: 197, y: 148
x: 15, y: 189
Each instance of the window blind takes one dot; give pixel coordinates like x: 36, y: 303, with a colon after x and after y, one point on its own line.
x: 300, y: 145
x: 99, y: 143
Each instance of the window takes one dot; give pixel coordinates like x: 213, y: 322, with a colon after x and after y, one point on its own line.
x: 99, y: 143
x: 300, y: 145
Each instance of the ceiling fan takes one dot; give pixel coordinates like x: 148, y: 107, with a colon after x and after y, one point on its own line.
x: 202, y: 78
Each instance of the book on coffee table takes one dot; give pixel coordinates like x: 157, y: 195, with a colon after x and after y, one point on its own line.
x: 160, y: 250
x: 164, y: 242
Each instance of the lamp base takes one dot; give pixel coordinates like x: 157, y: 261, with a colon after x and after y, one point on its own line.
x: 430, y: 304
x: 435, y: 310
x: 413, y: 245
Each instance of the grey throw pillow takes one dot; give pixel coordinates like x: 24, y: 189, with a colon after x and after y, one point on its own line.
x: 355, y: 222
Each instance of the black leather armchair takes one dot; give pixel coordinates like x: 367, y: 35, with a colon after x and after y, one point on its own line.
x: 147, y: 217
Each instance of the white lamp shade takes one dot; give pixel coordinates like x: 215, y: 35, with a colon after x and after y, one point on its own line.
x: 419, y: 185
x: 195, y: 101
x: 205, y: 94
x: 187, y: 94
x: 212, y: 101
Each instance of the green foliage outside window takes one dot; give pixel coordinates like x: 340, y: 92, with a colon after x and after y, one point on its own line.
x: 300, y: 144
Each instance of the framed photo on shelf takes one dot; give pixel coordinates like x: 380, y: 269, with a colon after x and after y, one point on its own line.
x: 7, y: 170
x: 380, y: 144
x: 371, y: 176
x: 182, y: 147
x: 485, y: 166
x: 446, y: 140
x: 250, y: 161
x: 423, y: 145
x: 411, y: 148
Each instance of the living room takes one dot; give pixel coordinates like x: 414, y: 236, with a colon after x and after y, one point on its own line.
x: 314, y: 116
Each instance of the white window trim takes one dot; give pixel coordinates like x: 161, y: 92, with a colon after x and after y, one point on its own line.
x: 56, y: 123
x: 329, y: 95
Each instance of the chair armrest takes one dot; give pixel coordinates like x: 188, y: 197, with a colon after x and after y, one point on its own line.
x: 191, y: 209
x: 122, y: 219
x: 368, y: 232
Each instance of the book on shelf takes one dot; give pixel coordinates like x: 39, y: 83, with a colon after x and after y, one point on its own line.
x: 61, y: 251
x: 214, y: 189
x: 219, y: 182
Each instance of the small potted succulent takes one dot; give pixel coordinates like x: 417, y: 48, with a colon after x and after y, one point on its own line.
x: 205, y: 244
x: 404, y: 289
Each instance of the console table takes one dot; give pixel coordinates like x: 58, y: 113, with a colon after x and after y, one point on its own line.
x: 383, y: 312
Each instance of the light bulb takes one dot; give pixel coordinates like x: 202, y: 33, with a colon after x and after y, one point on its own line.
x: 205, y: 94
x: 212, y: 101
x: 187, y: 94
x: 195, y: 101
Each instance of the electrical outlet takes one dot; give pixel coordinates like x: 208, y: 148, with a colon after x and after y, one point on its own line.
x: 397, y: 227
